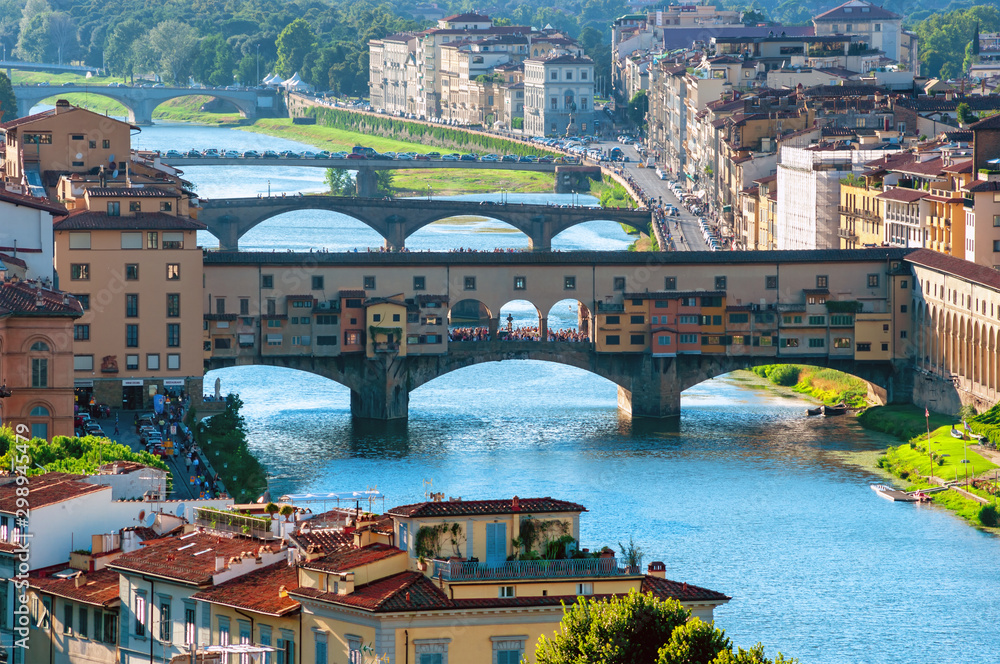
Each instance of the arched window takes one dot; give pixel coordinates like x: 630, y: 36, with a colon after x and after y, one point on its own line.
x: 39, y: 411
x: 40, y: 346
x: 39, y: 365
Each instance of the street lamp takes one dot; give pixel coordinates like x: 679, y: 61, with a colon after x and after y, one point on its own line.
x: 268, y: 188
x: 258, y: 65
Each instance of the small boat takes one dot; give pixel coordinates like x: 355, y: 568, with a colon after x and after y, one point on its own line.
x: 838, y: 409
x: 894, y: 495
x: 814, y: 411
x: 955, y: 433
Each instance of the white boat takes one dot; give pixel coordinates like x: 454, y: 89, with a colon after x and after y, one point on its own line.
x: 895, y: 495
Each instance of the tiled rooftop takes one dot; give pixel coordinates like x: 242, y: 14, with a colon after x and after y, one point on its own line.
x: 259, y: 591
x: 48, y: 489
x: 93, y: 220
x: 956, y: 266
x: 188, y: 559
x: 345, y: 559
x: 98, y: 588
x: 484, y: 507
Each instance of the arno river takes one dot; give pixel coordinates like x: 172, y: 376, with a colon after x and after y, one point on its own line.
x: 744, y: 495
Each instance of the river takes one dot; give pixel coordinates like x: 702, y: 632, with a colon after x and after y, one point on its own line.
x: 743, y: 495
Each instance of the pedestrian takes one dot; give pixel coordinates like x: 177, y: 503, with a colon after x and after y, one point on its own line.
x: 116, y: 428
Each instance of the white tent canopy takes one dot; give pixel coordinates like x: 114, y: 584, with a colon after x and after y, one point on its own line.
x: 296, y: 83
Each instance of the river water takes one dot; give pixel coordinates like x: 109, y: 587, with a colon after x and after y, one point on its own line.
x: 743, y: 495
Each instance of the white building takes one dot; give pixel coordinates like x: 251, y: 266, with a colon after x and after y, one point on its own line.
x: 558, y: 95
x: 902, y: 217
x: 26, y: 235
x: 809, y: 196
x: 880, y: 28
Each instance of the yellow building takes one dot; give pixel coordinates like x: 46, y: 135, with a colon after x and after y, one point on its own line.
x: 945, y: 221
x: 451, y: 581
x: 622, y: 328
x: 63, y: 139
x: 386, y: 326
x: 861, y: 213
x: 134, y: 264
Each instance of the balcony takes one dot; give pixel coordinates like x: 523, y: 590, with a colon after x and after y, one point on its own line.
x: 610, y: 308
x: 233, y: 522
x: 457, y: 570
x: 863, y: 214
x: 385, y: 347
x: 846, y: 234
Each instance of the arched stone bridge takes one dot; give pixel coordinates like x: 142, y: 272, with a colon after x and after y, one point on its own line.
x: 647, y: 386
x: 397, y: 219
x: 140, y: 102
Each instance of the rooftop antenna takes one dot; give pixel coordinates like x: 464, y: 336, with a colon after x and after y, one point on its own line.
x: 428, y: 485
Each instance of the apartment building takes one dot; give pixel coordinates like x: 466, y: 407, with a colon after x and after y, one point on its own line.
x: 130, y: 256
x: 25, y: 237
x: 559, y: 95
x: 861, y: 213
x: 879, y: 27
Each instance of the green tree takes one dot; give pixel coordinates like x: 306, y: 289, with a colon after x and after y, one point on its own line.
x: 64, y: 42
x: 33, y: 42
x: 638, y: 106
x: 626, y: 629
x: 340, y: 182
x: 965, y: 114
x: 8, y: 102
x: 246, y: 70
x: 120, y: 52
x: 175, y: 45
x: 694, y: 642
x: 293, y: 43
x: 754, y: 655
x: 384, y: 182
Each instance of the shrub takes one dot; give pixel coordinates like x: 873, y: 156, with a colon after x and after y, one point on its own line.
x: 988, y: 516
x: 786, y: 375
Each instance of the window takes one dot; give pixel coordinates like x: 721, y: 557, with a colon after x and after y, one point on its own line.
x: 520, y: 283
x: 902, y: 334
x: 165, y: 620
x: 419, y: 283
x: 637, y: 339
x: 788, y: 342
x: 352, y: 337
x: 83, y: 363
x: 152, y: 240
x: 326, y: 340
x: 114, y: 209
x: 173, y: 335
x: 153, y: 362
x: 817, y: 320
x: 79, y: 240
x: 687, y: 320
x: 131, y: 305
x: 79, y: 271
x: 189, y: 624
x: 132, y: 362
x: 131, y: 271
x: 618, y: 283
x: 902, y: 308
x: 841, y: 320
x: 885, y: 347
x: 106, y: 144
x: 84, y: 300
x: 470, y: 283
x: 841, y: 342
x: 173, y: 361
x: 864, y: 347
x: 220, y: 305
x: 822, y: 281
x: 771, y: 282
x: 274, y: 323
x: 872, y: 281
x: 244, y: 306
x: 166, y: 206
x: 81, y: 332
x: 174, y: 305
x: 320, y: 648
x: 131, y: 336
x: 67, y: 618
x: 737, y: 319
x: 612, y: 340
x: 663, y: 340
x: 585, y: 589
x: 637, y: 320
x: 903, y: 284
x: 140, y: 615
x: 791, y: 320
x: 39, y: 372
x: 569, y: 283
x: 612, y: 320
x: 326, y: 319
x: 369, y: 283
x: 317, y: 282
x: 506, y: 591
x: 720, y: 283
x: 173, y: 239
x: 173, y: 271
x: 689, y: 339
x: 670, y: 283
x: 739, y: 340
x: 377, y: 318
x: 817, y: 343
x: 267, y: 281
x: 554, y: 102
x: 131, y: 240
x: 38, y: 139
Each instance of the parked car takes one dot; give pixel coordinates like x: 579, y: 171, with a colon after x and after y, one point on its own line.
x: 193, y: 153
x: 469, y: 157
x: 251, y: 154
x: 422, y: 157
x: 288, y: 154
x: 356, y: 155
x: 454, y: 156
x: 546, y: 159
x: 433, y: 155
x: 490, y: 158
x: 174, y: 153
x: 509, y: 158
x: 231, y: 154
x: 270, y: 154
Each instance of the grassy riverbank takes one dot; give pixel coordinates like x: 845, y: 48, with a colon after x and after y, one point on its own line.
x: 826, y: 385
x: 223, y: 440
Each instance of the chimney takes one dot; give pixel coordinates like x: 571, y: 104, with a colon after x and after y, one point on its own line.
x: 346, y: 585
x: 657, y: 569
x: 80, y: 580
x: 62, y: 106
x: 516, y: 504
x: 220, y: 563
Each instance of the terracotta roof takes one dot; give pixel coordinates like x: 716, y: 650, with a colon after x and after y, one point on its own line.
x: 475, y: 18
x: 955, y: 266
x: 979, y: 186
x: 22, y: 298
x: 342, y: 560
x: 130, y: 192
x: 964, y: 166
x: 412, y: 591
x: 121, y: 467
x: 992, y: 122
x: 16, y: 122
x: 47, y: 489
x: 32, y: 202
x: 101, y: 221
x: 190, y: 559
x: 7, y: 259
x: 327, y: 539
x: 471, y: 507
x: 259, y: 591
x: 923, y: 168
x: 852, y: 10
x: 902, y: 195
x: 98, y: 588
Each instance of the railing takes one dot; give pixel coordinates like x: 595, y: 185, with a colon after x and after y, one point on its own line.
x: 457, y: 570
x: 608, y: 307
x: 847, y: 234
x: 864, y: 214
x: 233, y: 522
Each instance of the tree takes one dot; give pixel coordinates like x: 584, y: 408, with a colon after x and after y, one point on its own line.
x: 638, y: 106
x: 64, y: 41
x: 246, y: 70
x: 8, y: 102
x: 33, y: 42
x: 384, y: 183
x: 694, y: 642
x: 175, y: 44
x: 629, y: 629
x: 119, y: 51
x: 293, y: 43
x: 340, y: 182
x: 965, y: 114
x: 754, y: 655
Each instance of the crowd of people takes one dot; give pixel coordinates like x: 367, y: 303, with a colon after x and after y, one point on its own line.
x: 530, y: 333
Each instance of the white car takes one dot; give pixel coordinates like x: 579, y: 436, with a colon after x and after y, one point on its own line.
x: 454, y: 156
x: 490, y: 158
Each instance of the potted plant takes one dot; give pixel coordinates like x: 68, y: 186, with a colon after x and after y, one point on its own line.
x: 422, y: 564
x: 271, y: 509
x: 287, y: 511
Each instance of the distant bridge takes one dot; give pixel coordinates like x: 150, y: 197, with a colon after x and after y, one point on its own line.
x: 10, y: 65
x: 397, y: 219
x: 140, y: 102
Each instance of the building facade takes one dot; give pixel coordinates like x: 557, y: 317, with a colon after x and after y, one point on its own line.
x: 559, y: 95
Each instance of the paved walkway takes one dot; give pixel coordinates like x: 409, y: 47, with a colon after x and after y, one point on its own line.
x: 183, y: 489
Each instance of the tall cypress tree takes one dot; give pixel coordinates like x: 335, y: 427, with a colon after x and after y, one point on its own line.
x: 8, y: 102
x: 975, y: 40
